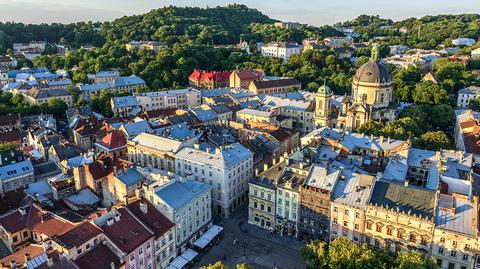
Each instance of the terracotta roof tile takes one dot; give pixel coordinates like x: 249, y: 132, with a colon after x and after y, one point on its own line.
x: 153, y: 219
x: 78, y: 235
x: 113, y: 140
x: 99, y: 257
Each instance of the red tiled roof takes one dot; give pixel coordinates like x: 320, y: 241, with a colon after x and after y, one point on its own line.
x: 202, y: 75
x: 127, y: 233
x: 99, y: 257
x: 467, y: 124
x: 104, y: 165
x: 9, y: 119
x: 15, y: 221
x: 280, y: 134
x: 33, y: 250
x: 472, y: 142
x: 78, y: 235
x: 113, y: 140
x: 157, y: 113
x: 153, y: 219
x: 249, y: 74
x: 90, y: 126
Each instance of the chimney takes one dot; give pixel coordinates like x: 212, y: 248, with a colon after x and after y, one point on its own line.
x: 265, y: 166
x: 196, y: 146
x: 13, y: 264
x: 27, y: 257
x: 112, y: 265
x: 49, y: 261
x: 301, y: 165
x: 406, y: 183
x: 381, y: 139
x: 144, y: 207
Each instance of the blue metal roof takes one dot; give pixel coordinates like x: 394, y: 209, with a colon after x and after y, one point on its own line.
x: 176, y: 193
x: 130, y: 177
x: 15, y: 170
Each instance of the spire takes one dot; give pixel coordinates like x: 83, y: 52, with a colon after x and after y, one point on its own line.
x: 375, y: 53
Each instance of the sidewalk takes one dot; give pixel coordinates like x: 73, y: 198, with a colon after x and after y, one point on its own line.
x: 286, y: 241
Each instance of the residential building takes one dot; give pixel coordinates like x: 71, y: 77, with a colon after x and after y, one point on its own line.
x: 104, y: 77
x: 38, y: 96
x: 248, y: 115
x: 282, y: 50
x: 241, y: 79
x: 146, y: 45
x: 182, y: 98
x: 129, y: 84
x: 121, y: 186
x: 467, y: 94
x: 275, y: 86
x: 78, y: 240
x: 134, y: 240
x: 301, y: 112
x: 148, y: 150
x: 113, y: 144
x: 288, y: 25
x: 15, y: 171
x: 90, y: 90
x: 463, y: 42
x: 400, y: 217
x: 162, y: 227
x: 185, y: 203
x: 125, y: 106
x: 87, y: 131
x: 475, y: 54
x: 349, y: 200
x: 202, y: 79
x: 228, y: 169
x: 132, y: 129
x: 316, y: 193
x: 262, y: 199
x: 467, y: 132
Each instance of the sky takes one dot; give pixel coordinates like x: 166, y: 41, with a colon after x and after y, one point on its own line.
x: 314, y: 12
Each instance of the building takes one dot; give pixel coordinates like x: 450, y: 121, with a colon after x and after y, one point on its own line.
x: 38, y: 96
x: 148, y: 150
x: 241, y: 79
x: 282, y: 50
x: 349, y: 200
x: 316, y: 192
x: 15, y: 171
x: 146, y: 45
x: 90, y: 90
x: 78, y: 240
x: 475, y: 54
x: 371, y: 98
x: 129, y: 84
x: 202, y: 79
x: 87, y: 131
x: 185, y: 203
x: 162, y: 227
x: 105, y: 77
x: 399, y: 217
x: 467, y: 94
x: 276, y: 86
x: 228, y: 169
x: 130, y: 237
x: 125, y: 106
x: 261, y: 202
x: 288, y: 25
x: 113, y: 144
x: 248, y: 115
x: 182, y: 98
x: 467, y: 132
x: 463, y: 42
x: 121, y: 186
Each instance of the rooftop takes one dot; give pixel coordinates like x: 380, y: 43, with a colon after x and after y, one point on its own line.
x: 124, y: 101
x: 222, y: 158
x: 150, y: 216
x: 322, y: 177
x: 78, y: 235
x: 177, y: 193
x: 353, y: 190
x: 129, y: 177
x: 457, y: 214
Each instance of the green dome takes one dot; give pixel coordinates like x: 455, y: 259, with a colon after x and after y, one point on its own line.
x: 324, y: 89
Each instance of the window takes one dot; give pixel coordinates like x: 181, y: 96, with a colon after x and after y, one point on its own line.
x: 453, y: 253
x: 442, y: 240
x: 465, y: 257
x: 454, y: 243
x: 335, y: 209
x: 400, y: 234
x: 357, y: 215
x: 379, y: 228
x: 467, y: 247
x: 255, y: 204
x: 345, y: 223
x: 132, y: 257
x: 15, y: 239
x: 440, y: 250
x: 389, y: 230
x: 148, y: 245
x: 413, y: 238
x: 346, y: 212
x: 369, y: 225
x: 140, y: 251
x: 356, y: 227
x: 334, y: 221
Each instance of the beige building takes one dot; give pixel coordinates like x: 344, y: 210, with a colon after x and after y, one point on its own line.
x: 276, y: 86
x: 241, y: 79
x: 248, y: 115
x: 399, y: 217
x: 261, y: 203
x: 37, y: 96
x: 147, y: 45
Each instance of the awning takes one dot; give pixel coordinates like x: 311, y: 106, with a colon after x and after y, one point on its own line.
x: 179, y: 262
x: 182, y: 260
x: 189, y: 254
x: 208, y: 236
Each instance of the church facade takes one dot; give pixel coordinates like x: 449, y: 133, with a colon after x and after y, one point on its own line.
x: 371, y: 99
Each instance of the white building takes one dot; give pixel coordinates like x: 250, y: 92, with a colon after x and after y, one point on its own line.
x: 463, y: 41
x: 282, y: 50
x: 227, y: 169
x: 185, y: 203
x: 475, y: 54
x: 467, y: 94
x: 125, y: 106
x: 182, y: 98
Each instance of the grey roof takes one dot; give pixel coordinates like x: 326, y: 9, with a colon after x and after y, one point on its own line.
x: 124, y: 101
x: 457, y: 214
x: 130, y: 177
x: 220, y: 108
x: 158, y: 142
x: 254, y: 112
x: 373, y: 72
x: 353, y: 190
x: 284, y: 82
x: 177, y: 193
x: 94, y: 87
x: 222, y: 159
x: 129, y: 81
x: 418, y: 201
x: 322, y: 177
x: 396, y: 170
x: 37, y: 93
x: 15, y: 170
x: 136, y: 128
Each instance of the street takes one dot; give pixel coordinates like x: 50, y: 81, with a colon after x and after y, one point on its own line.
x: 253, y: 246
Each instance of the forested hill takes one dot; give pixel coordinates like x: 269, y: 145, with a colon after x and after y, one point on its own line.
x: 219, y: 25
x: 427, y: 32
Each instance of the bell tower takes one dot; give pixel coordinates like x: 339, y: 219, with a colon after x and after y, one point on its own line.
x: 322, y: 105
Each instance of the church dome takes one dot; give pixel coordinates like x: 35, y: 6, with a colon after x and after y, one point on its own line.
x: 373, y: 72
x: 324, y: 89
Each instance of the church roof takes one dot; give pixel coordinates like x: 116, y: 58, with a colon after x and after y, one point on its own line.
x: 372, y: 72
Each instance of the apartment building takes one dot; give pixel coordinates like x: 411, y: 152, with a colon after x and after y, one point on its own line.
x: 182, y: 98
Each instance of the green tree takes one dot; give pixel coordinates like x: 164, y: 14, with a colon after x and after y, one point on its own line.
x: 442, y: 116
x: 433, y: 140
x: 56, y: 107
x: 243, y: 266
x: 474, y: 104
x: 371, y: 128
x: 344, y: 253
x: 315, y: 254
x: 414, y: 260
x: 427, y: 92
x: 7, y: 147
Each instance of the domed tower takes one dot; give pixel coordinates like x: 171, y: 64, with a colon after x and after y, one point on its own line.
x: 322, y: 105
x: 372, y: 83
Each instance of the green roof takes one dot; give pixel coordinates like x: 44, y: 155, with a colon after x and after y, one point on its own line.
x: 406, y: 199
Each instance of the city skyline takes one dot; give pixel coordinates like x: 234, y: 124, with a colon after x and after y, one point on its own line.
x: 317, y: 12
